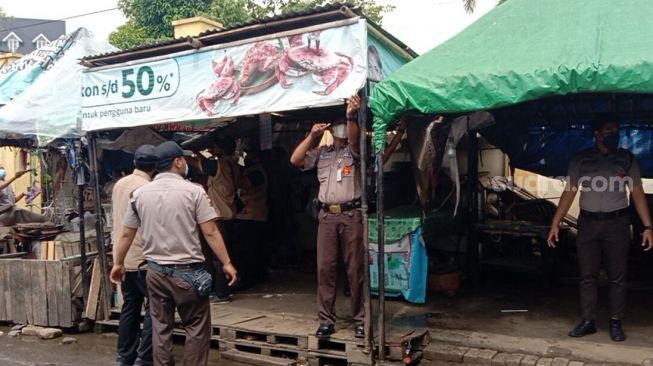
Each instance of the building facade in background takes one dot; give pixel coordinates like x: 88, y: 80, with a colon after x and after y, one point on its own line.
x: 24, y: 35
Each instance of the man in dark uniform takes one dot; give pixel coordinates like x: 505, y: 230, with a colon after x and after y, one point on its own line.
x: 169, y: 211
x: 134, y: 345
x: 602, y: 175
x: 340, y: 218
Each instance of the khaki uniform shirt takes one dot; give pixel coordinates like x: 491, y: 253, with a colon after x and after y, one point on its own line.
x: 222, y: 189
x: 254, y: 194
x: 602, y: 179
x: 7, y: 198
x: 120, y: 200
x: 169, y: 210
x: 337, y: 171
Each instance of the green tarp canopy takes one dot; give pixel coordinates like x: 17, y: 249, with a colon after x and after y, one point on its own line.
x: 525, y: 50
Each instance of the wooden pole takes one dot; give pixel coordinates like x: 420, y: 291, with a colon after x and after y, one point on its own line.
x: 99, y: 227
x: 381, y: 253
x: 81, y: 182
x: 367, y: 290
x: 472, y: 199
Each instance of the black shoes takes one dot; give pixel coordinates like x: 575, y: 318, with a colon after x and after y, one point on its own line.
x: 584, y: 328
x: 325, y: 331
x: 616, y: 331
x: 360, y: 331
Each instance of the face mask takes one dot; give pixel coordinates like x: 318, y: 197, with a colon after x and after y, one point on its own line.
x: 611, y: 141
x: 186, y: 171
x: 3, y: 173
x: 339, y: 131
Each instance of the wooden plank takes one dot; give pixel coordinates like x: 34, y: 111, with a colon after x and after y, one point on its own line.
x: 58, y: 285
x: 6, y: 271
x: 17, y: 292
x: 53, y: 277
x: 94, y: 291
x: 27, y: 286
x: 13, y: 255
x: 3, y: 301
x: 59, y: 251
x: 254, y: 359
x: 66, y: 304
x: 39, y: 292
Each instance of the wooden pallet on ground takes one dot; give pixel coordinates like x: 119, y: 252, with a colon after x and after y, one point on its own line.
x: 253, y: 359
x: 270, y: 330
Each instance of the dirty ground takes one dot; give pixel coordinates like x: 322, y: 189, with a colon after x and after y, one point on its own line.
x: 100, y: 348
x: 535, y: 315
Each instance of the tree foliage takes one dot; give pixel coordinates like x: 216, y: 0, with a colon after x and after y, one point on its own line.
x: 128, y: 35
x: 151, y: 20
x: 470, y: 5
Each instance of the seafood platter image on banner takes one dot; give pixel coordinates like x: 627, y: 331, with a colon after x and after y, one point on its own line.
x: 312, y: 67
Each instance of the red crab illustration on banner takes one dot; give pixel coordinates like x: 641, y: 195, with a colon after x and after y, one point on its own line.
x: 261, y: 59
x: 327, y: 68
x: 224, y: 87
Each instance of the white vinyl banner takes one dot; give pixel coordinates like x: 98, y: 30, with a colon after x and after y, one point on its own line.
x: 299, y: 70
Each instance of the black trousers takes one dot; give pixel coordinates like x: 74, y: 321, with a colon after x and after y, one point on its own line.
x: 229, y: 231
x: 255, y: 254
x: 607, y: 241
x: 132, y: 342
x: 246, y: 245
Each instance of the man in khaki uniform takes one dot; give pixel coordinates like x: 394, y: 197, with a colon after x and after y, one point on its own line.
x: 171, y: 213
x: 134, y: 345
x: 222, y: 186
x: 340, y: 218
x: 602, y: 175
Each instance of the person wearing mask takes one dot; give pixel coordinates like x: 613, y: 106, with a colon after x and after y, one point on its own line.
x: 10, y: 214
x: 340, y: 218
x: 134, y: 344
x: 222, y: 186
x: 602, y: 174
x: 171, y: 213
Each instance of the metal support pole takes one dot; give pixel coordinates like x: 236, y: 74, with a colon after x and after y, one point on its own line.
x: 472, y: 199
x: 381, y: 253
x: 367, y: 290
x: 99, y: 227
x: 81, y: 182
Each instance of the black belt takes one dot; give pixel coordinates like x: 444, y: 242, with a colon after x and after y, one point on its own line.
x: 337, y: 208
x: 604, y: 215
x: 183, y: 266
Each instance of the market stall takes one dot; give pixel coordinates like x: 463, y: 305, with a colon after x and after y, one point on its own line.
x: 268, y: 80
x: 572, y: 61
x: 40, y: 120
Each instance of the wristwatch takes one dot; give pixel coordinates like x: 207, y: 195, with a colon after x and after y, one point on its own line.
x: 648, y: 227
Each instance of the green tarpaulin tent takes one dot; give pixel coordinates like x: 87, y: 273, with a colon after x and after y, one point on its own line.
x: 525, y: 50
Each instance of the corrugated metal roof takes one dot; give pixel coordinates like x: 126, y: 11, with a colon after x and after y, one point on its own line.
x: 249, y: 29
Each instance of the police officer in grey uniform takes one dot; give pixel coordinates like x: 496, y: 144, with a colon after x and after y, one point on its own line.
x: 602, y: 175
x: 340, y: 217
x: 171, y: 212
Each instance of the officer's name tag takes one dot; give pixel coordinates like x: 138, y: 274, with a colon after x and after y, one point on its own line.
x: 339, y: 175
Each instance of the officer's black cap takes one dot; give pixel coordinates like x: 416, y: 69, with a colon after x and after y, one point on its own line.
x: 146, y: 154
x: 169, y: 150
